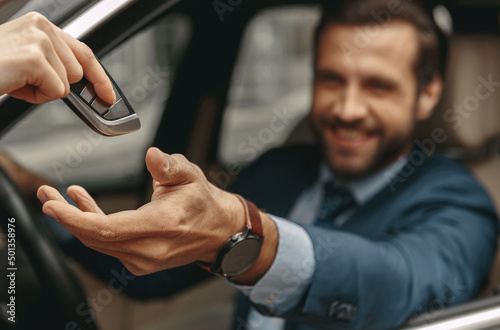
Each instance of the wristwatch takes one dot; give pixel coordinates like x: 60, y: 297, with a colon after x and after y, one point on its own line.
x: 241, y: 250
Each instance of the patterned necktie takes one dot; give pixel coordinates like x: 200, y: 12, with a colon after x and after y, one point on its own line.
x: 336, y: 200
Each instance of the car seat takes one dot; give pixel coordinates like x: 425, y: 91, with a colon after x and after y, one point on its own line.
x: 469, y: 114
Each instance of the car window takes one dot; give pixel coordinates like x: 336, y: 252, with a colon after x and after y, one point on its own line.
x: 53, y: 142
x: 54, y: 10
x: 271, y: 85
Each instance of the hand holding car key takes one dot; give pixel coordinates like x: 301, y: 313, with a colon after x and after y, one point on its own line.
x: 104, y: 118
x: 48, y: 70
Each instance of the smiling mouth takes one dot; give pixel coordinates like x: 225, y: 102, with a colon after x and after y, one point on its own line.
x: 350, y: 134
x: 350, y: 138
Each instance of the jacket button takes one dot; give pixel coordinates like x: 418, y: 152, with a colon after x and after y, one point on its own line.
x: 342, y: 311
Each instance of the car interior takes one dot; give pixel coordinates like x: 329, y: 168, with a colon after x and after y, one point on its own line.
x: 204, y: 79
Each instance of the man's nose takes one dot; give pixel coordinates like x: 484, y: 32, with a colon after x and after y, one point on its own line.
x: 351, y: 106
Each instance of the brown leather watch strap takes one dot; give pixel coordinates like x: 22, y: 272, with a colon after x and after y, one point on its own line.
x: 252, y: 215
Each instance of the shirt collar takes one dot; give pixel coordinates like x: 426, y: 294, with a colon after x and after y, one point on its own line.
x: 364, y: 189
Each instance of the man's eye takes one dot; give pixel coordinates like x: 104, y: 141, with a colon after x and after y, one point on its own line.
x: 331, y: 79
x: 379, y: 86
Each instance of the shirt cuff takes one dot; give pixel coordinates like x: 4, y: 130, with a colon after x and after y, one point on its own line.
x: 284, y: 284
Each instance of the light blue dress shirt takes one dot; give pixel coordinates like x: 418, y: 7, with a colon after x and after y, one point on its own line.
x: 282, y: 287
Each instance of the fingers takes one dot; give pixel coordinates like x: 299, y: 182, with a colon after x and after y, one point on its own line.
x: 46, y: 193
x: 38, y: 61
x: 73, y: 69
x: 56, y: 54
x: 96, y: 225
x: 170, y: 170
x: 78, y: 194
x: 45, y: 60
x: 55, y: 83
x: 42, y: 84
x: 93, y: 70
x: 75, y: 220
x: 91, y: 223
x: 84, y: 201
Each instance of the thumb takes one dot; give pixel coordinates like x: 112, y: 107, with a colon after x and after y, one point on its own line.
x: 170, y: 170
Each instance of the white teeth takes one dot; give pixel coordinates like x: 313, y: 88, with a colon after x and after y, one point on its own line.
x: 349, y: 134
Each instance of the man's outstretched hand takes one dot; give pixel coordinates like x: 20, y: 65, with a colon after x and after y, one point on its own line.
x: 187, y: 220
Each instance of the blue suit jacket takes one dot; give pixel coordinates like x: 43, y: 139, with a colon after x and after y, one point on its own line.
x: 425, y: 241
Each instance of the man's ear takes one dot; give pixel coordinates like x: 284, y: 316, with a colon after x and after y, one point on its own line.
x: 429, y: 98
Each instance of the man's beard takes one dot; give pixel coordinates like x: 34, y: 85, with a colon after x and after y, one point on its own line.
x: 388, y: 151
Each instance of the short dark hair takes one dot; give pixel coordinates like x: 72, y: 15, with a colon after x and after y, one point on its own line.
x: 432, y: 42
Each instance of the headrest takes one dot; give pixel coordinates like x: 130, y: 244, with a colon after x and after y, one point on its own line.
x: 469, y: 111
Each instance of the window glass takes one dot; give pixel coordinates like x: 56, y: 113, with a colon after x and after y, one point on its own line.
x: 54, y: 142
x: 52, y: 9
x: 271, y: 86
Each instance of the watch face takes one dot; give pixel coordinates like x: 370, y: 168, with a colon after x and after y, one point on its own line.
x: 241, y: 256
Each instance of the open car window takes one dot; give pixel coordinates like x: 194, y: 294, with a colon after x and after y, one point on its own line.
x: 53, y: 142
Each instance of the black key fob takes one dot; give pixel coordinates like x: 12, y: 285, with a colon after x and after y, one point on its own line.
x: 105, y: 119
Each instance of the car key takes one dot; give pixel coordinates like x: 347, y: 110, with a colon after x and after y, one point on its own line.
x: 106, y: 119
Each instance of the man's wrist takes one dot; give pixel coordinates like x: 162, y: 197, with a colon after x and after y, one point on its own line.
x: 229, y: 218
x: 266, y: 257
x: 242, y: 249
x: 232, y: 221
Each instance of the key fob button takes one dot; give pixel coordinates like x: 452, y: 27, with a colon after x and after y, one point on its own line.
x: 88, y: 93
x: 100, y: 106
x: 105, y: 119
x: 117, y: 111
x: 78, y: 87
